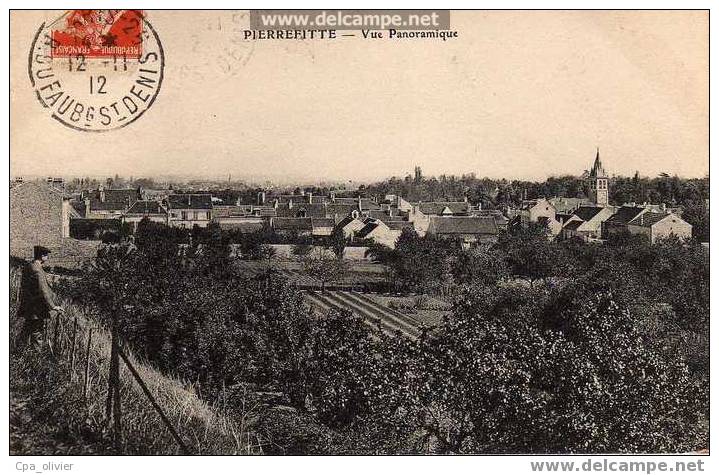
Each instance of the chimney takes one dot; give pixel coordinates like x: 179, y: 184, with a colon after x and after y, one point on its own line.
x: 102, y: 195
x: 261, y: 197
x: 189, y: 200
x: 332, y: 196
x: 289, y: 204
x: 309, y: 197
x: 87, y: 207
x: 465, y: 198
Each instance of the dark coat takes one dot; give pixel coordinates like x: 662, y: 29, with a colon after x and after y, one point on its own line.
x: 36, y: 296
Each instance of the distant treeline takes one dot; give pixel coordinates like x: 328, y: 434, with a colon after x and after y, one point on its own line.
x: 493, y: 193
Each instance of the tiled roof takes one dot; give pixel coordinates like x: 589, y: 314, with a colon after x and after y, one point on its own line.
x: 292, y: 224
x: 384, y: 215
x: 585, y: 213
x: 529, y: 204
x: 345, y: 201
x: 146, y: 207
x: 567, y: 205
x: 648, y: 219
x: 340, y: 209
x: 243, y: 227
x: 323, y: 223
x: 190, y: 201
x: 112, y: 200
x: 462, y: 225
x: 625, y: 214
x: 309, y: 210
x: 364, y: 232
x: 492, y: 213
x: 437, y: 207
x: 345, y: 221
x: 230, y: 210
x: 399, y: 225
x: 573, y: 225
x: 366, y: 204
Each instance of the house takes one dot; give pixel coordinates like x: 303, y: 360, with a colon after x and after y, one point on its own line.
x: 469, y: 230
x: 301, y: 210
x: 107, y: 203
x: 442, y: 208
x: 349, y: 226
x: 145, y: 209
x: 617, y: 223
x: 322, y: 226
x: 567, y: 205
x: 187, y: 210
x: 338, y: 210
x: 397, y: 202
x: 586, y: 222
x: 659, y: 225
x: 379, y: 232
x: 532, y: 210
x: 292, y: 226
x: 242, y: 224
x: 499, y: 218
x: 539, y: 211
x: 38, y: 215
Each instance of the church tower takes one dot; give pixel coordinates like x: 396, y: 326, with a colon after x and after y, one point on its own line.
x: 599, y: 183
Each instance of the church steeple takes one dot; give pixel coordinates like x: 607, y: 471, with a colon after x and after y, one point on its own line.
x: 599, y: 183
x: 597, y: 169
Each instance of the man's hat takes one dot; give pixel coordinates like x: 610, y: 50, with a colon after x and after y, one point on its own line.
x: 39, y: 251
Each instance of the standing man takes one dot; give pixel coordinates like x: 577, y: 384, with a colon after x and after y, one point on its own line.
x: 36, y: 300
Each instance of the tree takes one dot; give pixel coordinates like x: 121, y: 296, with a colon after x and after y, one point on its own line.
x: 529, y: 252
x: 498, y: 377
x: 482, y: 265
x: 323, y: 265
x: 696, y: 213
x: 423, y: 263
x: 301, y: 250
x: 338, y: 242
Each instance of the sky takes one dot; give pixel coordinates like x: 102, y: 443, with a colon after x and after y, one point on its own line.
x: 517, y: 95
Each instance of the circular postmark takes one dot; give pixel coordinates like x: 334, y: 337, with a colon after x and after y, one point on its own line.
x: 97, y: 70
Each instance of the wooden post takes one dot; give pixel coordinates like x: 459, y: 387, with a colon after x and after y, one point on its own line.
x: 72, y: 346
x: 55, y: 346
x: 154, y: 403
x: 112, y: 403
x: 85, y: 380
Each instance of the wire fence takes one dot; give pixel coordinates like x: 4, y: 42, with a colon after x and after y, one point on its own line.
x: 139, y: 400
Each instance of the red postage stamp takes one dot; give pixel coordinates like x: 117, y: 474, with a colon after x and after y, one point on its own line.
x: 99, y: 34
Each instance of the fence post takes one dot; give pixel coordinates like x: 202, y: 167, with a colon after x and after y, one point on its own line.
x: 87, y: 365
x: 72, y: 347
x: 112, y: 403
x: 154, y: 403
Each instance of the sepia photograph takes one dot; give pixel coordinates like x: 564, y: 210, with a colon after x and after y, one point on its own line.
x: 359, y: 232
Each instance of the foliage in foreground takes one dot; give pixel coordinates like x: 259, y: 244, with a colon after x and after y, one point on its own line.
x: 591, y: 359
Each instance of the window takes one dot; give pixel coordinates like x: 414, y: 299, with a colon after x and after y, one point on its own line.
x: 184, y: 215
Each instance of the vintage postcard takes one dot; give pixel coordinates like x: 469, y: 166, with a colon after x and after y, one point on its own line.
x: 360, y: 232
